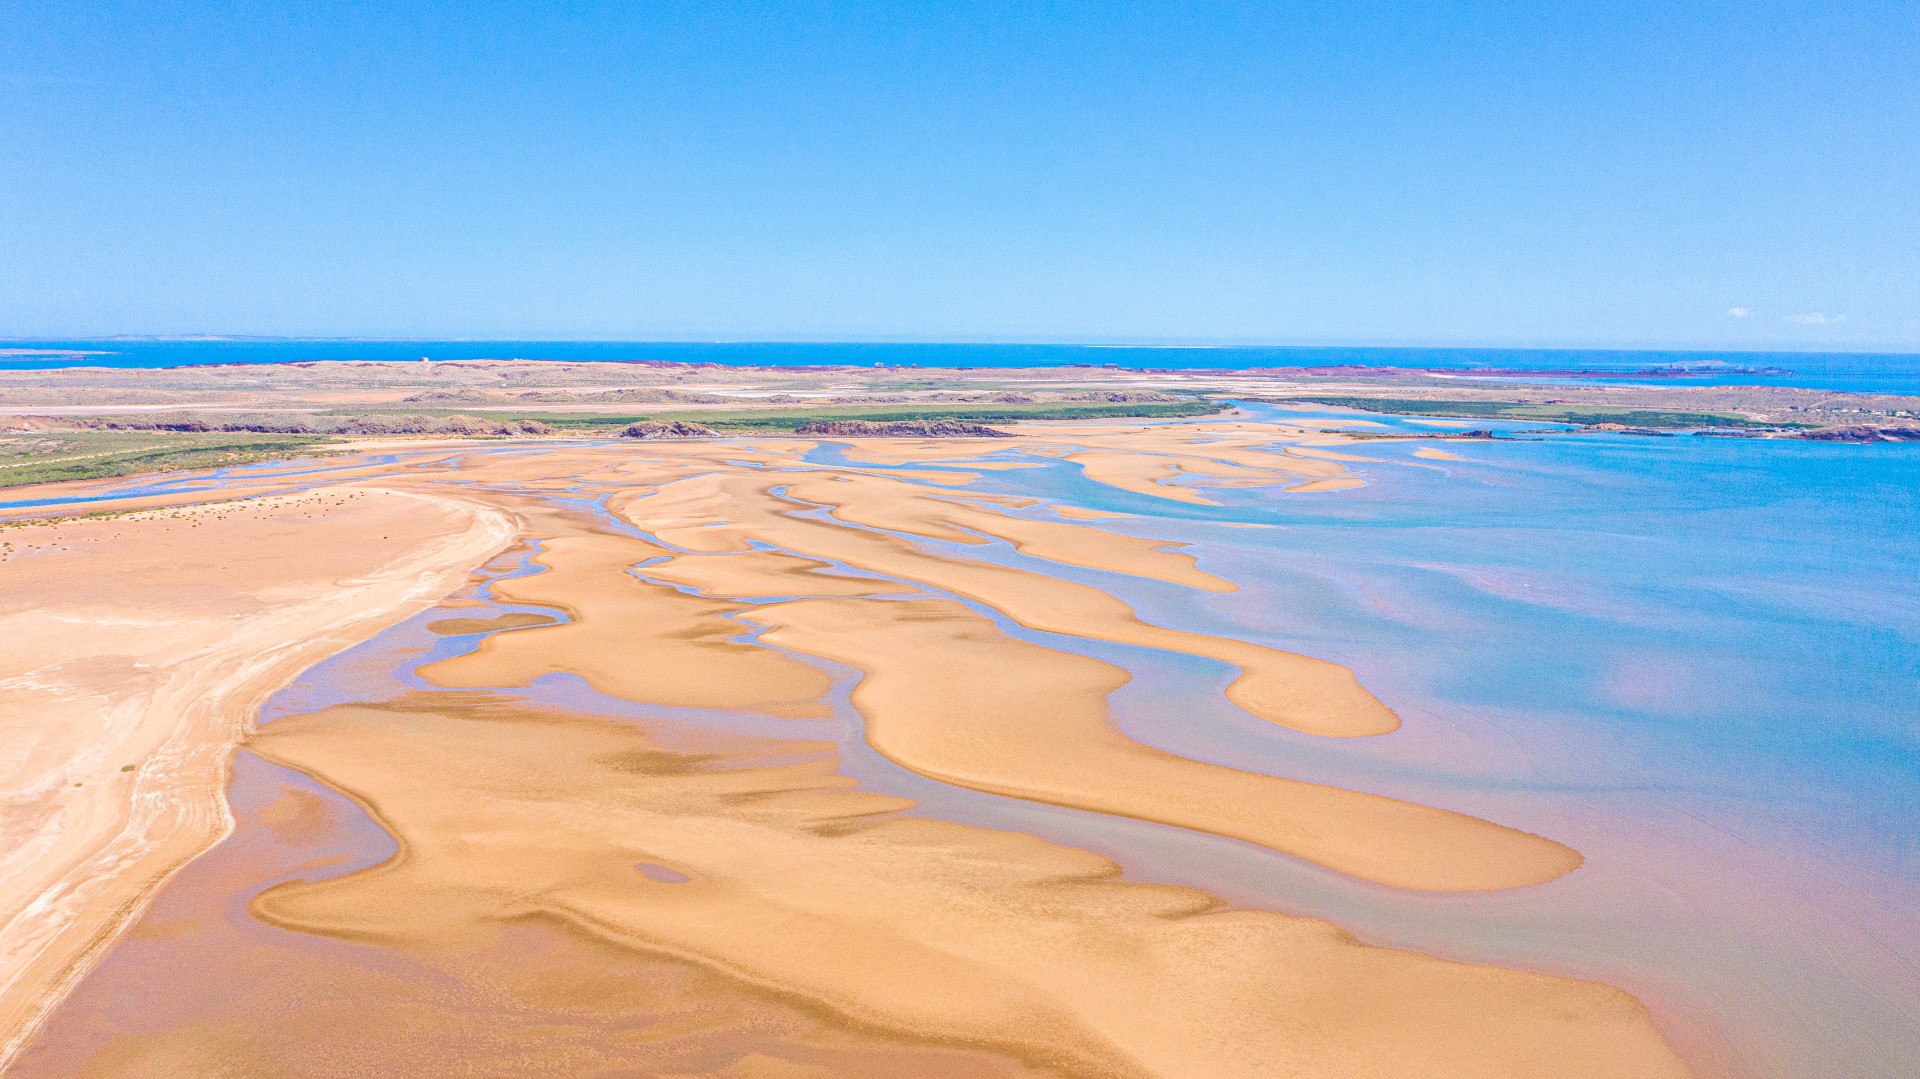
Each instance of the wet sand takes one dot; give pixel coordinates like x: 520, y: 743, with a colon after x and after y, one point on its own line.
x: 692, y: 660
x: 139, y: 650
x: 950, y: 696
x: 800, y: 885
x: 762, y: 874
x: 733, y: 512
x: 244, y: 997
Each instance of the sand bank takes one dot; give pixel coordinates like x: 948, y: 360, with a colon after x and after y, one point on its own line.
x: 1345, y: 483
x: 1034, y: 720
x: 1144, y: 459
x: 731, y: 512
x: 950, y: 696
x: 755, y: 574
x: 691, y: 658
x: 139, y: 650
x: 904, y: 507
x: 805, y: 887
x: 530, y: 999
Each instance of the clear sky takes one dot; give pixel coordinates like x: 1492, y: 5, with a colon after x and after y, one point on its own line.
x: 1449, y: 173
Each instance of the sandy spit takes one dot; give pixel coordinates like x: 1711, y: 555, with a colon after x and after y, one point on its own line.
x: 143, y: 649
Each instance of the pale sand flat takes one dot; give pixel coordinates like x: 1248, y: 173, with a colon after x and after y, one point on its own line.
x: 1034, y: 723
x: 755, y: 574
x: 1139, y: 473
x: 719, y: 513
x: 511, y: 620
x: 1432, y: 454
x: 903, y: 507
x: 990, y: 939
x: 949, y: 695
x: 1331, y: 455
x: 693, y: 660
x: 1312, y: 486
x: 151, y: 642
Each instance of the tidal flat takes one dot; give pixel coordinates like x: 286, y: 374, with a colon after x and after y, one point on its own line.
x: 1200, y: 747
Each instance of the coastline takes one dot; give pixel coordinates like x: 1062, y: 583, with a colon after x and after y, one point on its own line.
x: 148, y: 822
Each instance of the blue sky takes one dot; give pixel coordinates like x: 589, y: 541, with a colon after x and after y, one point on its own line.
x: 1447, y: 173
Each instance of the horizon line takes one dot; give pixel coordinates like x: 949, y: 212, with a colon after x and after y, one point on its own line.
x: 1174, y: 345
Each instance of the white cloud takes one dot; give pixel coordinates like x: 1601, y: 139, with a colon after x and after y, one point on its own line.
x: 1739, y: 312
x: 1816, y: 318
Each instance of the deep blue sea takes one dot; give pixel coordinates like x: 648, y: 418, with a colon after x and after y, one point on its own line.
x: 1897, y: 373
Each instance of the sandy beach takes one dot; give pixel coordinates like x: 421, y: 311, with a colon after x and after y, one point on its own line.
x: 142, y: 648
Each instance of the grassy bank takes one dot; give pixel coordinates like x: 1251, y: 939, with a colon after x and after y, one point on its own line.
x: 772, y: 420
x: 36, y: 457
x: 1520, y: 410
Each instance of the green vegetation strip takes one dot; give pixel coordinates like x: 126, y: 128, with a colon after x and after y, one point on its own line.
x: 786, y: 419
x: 89, y: 455
x: 1522, y: 410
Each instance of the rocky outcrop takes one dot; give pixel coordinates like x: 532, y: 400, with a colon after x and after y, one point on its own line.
x: 899, y: 429
x: 1625, y: 429
x: 1127, y: 397
x: 656, y: 429
x: 428, y: 425
x: 1864, y: 433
